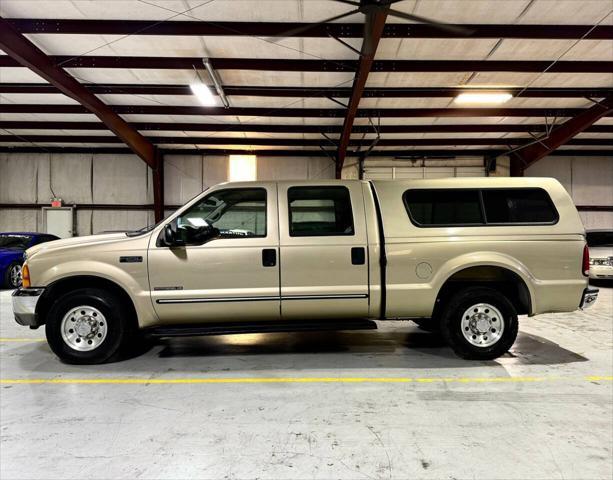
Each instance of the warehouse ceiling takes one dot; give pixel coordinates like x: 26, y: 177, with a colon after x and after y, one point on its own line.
x: 292, y: 94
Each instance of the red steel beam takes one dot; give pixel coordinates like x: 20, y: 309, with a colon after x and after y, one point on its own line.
x: 266, y: 29
x: 559, y: 136
x: 21, y: 50
x: 298, y: 65
x: 373, y: 30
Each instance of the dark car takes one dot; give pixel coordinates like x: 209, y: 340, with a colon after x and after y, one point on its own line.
x: 12, y: 246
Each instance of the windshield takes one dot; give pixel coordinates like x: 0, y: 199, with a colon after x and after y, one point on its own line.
x: 600, y: 239
x: 15, y: 241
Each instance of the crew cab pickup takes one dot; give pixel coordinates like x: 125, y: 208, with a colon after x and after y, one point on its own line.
x: 466, y: 256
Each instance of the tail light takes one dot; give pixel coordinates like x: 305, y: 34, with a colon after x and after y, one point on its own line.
x: 25, y: 276
x: 586, y: 261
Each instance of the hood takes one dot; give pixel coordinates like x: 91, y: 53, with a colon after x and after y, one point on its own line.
x: 73, y: 242
x: 10, y: 254
x: 601, y: 252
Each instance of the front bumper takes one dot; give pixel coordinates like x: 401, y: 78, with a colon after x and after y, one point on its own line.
x: 24, y: 306
x: 590, y: 295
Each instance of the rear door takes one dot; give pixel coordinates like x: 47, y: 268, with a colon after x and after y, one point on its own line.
x: 323, y: 251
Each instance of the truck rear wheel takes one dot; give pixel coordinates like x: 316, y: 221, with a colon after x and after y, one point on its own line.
x: 88, y: 326
x: 479, y: 323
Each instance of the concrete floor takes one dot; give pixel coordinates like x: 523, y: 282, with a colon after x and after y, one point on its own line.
x: 392, y: 403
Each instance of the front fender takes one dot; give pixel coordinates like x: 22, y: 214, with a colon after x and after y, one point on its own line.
x: 134, y: 283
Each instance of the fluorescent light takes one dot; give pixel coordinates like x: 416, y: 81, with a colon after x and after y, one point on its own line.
x: 481, y: 98
x: 203, y: 93
x: 242, y: 168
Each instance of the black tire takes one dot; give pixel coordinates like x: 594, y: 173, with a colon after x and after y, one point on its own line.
x: 8, y: 280
x: 428, y: 324
x: 120, y: 327
x: 451, y: 323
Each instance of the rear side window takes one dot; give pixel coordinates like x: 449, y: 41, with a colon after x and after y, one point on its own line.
x: 430, y: 208
x: 319, y: 211
x: 518, y: 205
x: 466, y: 207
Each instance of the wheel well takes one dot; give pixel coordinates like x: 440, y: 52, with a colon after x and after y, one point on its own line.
x: 502, y: 279
x: 65, y: 285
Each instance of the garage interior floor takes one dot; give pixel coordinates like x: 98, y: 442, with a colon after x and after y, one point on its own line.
x: 392, y: 403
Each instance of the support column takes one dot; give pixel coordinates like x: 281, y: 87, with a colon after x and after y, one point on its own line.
x: 158, y: 187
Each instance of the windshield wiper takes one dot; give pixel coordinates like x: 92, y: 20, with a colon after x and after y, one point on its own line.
x: 140, y: 231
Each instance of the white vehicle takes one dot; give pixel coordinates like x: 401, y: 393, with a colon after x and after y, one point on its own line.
x: 601, y: 254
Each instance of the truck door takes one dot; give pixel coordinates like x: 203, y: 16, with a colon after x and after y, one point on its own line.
x: 323, y: 251
x: 234, y: 277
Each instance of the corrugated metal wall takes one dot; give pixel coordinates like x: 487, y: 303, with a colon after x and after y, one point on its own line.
x: 83, y: 179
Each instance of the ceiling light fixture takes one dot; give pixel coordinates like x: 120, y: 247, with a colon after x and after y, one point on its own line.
x: 483, y: 98
x: 216, y: 82
x: 203, y: 93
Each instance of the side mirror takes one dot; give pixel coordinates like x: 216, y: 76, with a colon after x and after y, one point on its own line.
x: 170, y: 237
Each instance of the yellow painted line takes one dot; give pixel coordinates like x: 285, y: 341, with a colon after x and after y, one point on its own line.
x: 599, y: 379
x: 243, y: 380
x: 23, y: 340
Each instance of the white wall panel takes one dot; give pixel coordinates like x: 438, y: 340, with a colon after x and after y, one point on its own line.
x: 105, y: 220
x: 18, y: 177
x: 589, y: 180
x: 593, y: 220
x: 121, y: 179
x: 214, y: 170
x: 298, y: 168
x: 182, y: 178
x: 19, y: 220
x: 593, y: 180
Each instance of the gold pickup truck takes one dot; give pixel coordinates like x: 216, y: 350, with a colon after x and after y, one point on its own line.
x: 466, y: 256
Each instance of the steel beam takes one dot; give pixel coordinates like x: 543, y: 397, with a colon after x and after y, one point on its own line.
x: 313, y: 92
x: 559, y: 136
x: 298, y: 112
x: 295, y: 65
x: 254, y: 127
x: 373, y: 29
x: 271, y: 29
x: 405, y: 154
x: 293, y: 142
x: 26, y: 54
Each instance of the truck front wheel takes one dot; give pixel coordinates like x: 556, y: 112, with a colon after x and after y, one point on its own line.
x: 479, y: 323
x: 88, y: 326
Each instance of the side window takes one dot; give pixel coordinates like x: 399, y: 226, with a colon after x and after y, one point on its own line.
x: 440, y: 207
x: 319, y: 211
x: 518, y: 205
x: 236, y: 212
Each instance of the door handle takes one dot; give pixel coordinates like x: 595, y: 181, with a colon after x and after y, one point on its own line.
x: 269, y: 257
x: 358, y: 256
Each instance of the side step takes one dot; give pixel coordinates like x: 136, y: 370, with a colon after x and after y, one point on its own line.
x: 258, y: 327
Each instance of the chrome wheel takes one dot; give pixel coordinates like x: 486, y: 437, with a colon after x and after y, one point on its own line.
x: 15, y: 276
x: 84, y: 328
x: 482, y: 325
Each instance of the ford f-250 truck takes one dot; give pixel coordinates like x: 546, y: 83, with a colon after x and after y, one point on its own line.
x: 465, y: 255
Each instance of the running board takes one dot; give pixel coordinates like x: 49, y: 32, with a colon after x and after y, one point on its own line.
x: 257, y: 327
